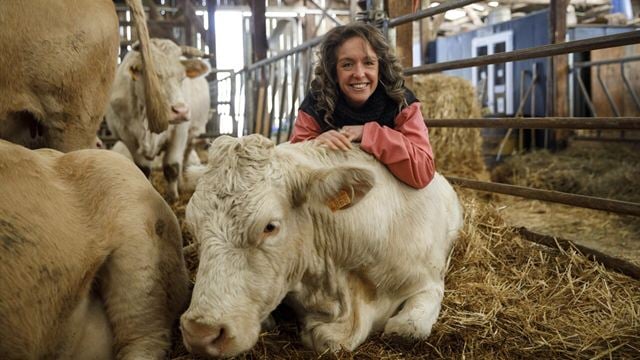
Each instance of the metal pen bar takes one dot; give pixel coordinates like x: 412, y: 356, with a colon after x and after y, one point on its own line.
x: 585, y: 93
x: 308, y: 44
x: 631, y: 37
x: 628, y: 123
x: 453, y: 4
x: 581, y: 64
x: 590, y: 202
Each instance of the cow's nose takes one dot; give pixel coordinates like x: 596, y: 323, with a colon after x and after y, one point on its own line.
x: 179, y: 113
x: 203, y: 339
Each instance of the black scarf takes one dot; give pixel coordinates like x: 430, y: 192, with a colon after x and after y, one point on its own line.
x: 379, y: 108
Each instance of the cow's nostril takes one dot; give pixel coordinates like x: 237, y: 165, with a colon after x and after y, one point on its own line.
x: 202, y: 338
x: 179, y: 109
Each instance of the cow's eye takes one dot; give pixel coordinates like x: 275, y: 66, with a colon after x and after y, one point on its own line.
x: 270, y: 228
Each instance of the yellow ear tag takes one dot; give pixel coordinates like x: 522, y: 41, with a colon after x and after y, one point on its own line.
x: 339, y: 202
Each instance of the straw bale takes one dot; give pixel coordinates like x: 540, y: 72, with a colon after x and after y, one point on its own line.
x: 505, y: 298
x: 603, y: 170
x: 457, y: 151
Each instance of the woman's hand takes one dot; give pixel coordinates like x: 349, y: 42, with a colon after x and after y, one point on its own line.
x: 334, y: 140
x: 353, y: 132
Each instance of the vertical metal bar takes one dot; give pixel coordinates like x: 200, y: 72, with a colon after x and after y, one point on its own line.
x: 274, y: 85
x: 583, y: 90
x: 309, y: 71
x: 283, y: 99
x: 296, y: 83
x: 232, y: 103
x: 265, y: 97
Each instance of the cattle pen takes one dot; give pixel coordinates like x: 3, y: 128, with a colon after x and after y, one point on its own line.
x: 538, y: 271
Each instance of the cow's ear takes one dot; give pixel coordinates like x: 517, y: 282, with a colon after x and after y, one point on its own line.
x: 195, y: 67
x: 339, y: 187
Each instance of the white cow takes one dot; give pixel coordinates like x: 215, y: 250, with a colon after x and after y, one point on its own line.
x: 91, y: 263
x: 188, y: 93
x: 351, y: 248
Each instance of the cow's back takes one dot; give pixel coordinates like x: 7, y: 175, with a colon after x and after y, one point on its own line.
x: 61, y: 216
x: 394, y: 226
x: 58, y: 65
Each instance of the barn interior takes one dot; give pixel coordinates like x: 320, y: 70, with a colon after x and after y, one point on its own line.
x: 548, y: 265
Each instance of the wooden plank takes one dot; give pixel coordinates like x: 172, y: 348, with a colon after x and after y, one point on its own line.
x: 590, y: 202
x: 404, y: 36
x: 609, y: 262
x: 618, y: 123
x: 259, y: 30
x: 559, y: 98
x: 612, y: 77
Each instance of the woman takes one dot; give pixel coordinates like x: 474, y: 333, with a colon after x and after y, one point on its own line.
x: 357, y: 95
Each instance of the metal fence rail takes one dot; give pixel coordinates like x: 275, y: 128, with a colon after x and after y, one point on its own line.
x: 601, y: 42
x: 599, y: 123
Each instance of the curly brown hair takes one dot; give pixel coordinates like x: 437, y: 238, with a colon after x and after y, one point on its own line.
x: 324, y: 87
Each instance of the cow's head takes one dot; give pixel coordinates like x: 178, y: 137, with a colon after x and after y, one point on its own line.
x: 250, y: 214
x: 173, y: 65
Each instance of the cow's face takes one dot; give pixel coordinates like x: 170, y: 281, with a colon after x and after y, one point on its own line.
x: 250, y: 216
x: 250, y: 244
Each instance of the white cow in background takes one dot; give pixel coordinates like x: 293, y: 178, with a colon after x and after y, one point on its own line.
x: 187, y: 91
x: 351, y: 248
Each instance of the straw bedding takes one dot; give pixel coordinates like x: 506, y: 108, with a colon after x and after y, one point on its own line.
x: 595, y: 169
x: 505, y: 298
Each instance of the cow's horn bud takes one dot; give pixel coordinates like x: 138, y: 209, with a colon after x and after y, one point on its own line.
x: 191, y: 52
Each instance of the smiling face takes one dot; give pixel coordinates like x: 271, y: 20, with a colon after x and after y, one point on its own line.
x: 357, y: 70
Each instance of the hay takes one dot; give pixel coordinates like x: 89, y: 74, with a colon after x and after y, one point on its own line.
x: 458, y: 151
x: 505, y: 298
x: 603, y: 170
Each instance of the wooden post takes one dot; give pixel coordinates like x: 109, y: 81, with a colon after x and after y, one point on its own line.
x: 214, y: 123
x: 259, y: 30
x: 558, y: 95
x: 404, y: 35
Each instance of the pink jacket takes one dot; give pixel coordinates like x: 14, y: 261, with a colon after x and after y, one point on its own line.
x: 405, y: 149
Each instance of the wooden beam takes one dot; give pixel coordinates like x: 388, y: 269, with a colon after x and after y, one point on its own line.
x: 259, y: 30
x: 404, y: 35
x: 559, y: 96
x: 610, y: 262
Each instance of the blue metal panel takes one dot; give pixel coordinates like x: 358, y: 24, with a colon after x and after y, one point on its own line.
x: 528, y: 31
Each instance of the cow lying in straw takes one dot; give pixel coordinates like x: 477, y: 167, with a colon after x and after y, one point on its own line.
x: 91, y: 264
x: 351, y: 248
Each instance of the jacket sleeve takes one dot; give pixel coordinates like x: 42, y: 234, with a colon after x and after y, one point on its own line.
x: 405, y: 149
x: 304, y: 128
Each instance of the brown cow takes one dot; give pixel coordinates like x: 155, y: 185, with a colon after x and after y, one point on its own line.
x: 57, y: 64
x: 91, y: 265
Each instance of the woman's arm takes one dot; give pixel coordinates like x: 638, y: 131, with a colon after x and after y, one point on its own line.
x: 306, y: 128
x: 405, y: 150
